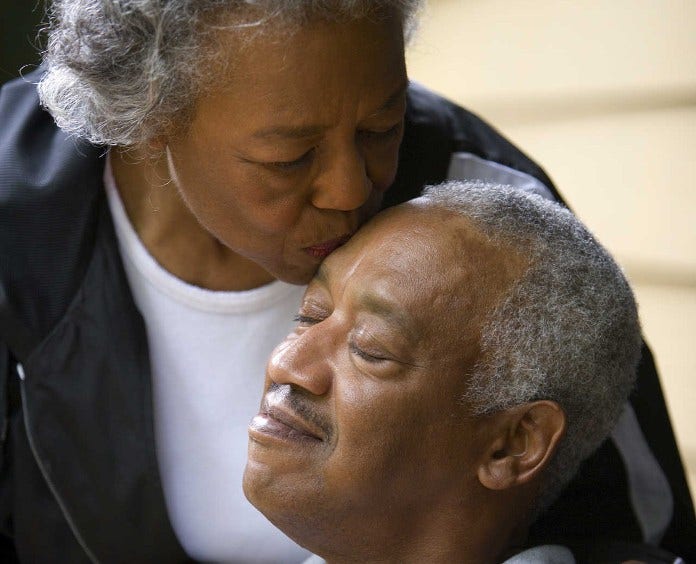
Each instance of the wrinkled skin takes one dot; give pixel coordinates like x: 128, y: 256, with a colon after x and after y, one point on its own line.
x: 362, y: 432
x: 282, y: 161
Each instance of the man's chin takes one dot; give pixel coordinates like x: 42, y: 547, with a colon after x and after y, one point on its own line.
x: 274, y: 494
x: 260, y: 484
x: 254, y: 480
x: 284, y: 504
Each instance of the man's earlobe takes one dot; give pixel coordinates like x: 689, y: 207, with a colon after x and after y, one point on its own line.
x: 527, y: 439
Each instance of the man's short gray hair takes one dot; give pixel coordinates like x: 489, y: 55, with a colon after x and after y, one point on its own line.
x: 120, y: 72
x: 567, y: 330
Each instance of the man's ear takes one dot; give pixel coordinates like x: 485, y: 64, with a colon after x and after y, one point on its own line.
x: 525, y: 440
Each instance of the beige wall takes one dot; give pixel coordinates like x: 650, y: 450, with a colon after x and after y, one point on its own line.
x: 603, y: 95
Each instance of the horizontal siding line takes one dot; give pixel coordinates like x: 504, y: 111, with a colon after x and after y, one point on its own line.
x: 645, y: 274
x: 543, y: 109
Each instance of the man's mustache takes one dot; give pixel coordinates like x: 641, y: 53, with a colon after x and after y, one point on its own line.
x: 292, y: 397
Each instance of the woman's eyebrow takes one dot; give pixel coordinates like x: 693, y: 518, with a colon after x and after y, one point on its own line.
x: 305, y: 131
x: 290, y: 131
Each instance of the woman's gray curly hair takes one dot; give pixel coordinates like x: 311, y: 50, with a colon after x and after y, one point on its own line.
x: 566, y: 331
x: 120, y: 72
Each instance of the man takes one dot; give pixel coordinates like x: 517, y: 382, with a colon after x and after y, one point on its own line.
x: 452, y: 366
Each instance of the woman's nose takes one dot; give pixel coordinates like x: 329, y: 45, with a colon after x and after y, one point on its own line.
x: 300, y: 361
x: 344, y: 183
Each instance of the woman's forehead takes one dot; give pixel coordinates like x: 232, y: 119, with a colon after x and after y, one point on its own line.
x: 322, y: 70
x: 277, y: 52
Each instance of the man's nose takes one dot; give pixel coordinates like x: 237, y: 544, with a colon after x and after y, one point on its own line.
x: 301, y: 362
x: 344, y: 183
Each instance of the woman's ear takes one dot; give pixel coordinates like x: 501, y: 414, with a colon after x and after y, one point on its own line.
x: 156, y: 146
x: 526, y: 438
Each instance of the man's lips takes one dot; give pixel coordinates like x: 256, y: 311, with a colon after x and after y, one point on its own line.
x: 322, y: 250
x: 282, y: 422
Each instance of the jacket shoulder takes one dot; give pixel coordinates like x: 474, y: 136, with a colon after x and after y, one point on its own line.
x: 437, y: 128
x: 50, y: 185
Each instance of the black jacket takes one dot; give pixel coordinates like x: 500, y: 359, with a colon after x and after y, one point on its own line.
x: 79, y: 478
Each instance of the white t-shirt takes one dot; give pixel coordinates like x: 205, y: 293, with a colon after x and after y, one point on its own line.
x: 208, y: 352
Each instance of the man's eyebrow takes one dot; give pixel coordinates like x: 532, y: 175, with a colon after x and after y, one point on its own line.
x: 387, y: 309
x: 373, y: 302
x: 305, y: 131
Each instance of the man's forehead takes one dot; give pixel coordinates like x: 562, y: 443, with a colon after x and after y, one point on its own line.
x: 403, y: 241
x: 408, y: 255
x: 421, y: 254
x: 415, y: 234
x: 392, y: 244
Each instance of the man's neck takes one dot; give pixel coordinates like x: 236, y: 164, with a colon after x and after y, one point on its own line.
x: 484, y: 538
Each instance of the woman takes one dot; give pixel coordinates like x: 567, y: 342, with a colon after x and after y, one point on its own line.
x: 148, y: 272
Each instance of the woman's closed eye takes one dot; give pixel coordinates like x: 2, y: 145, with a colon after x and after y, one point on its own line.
x: 382, y: 134
x: 288, y: 166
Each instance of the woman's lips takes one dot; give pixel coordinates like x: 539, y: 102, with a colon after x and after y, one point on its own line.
x: 322, y: 250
